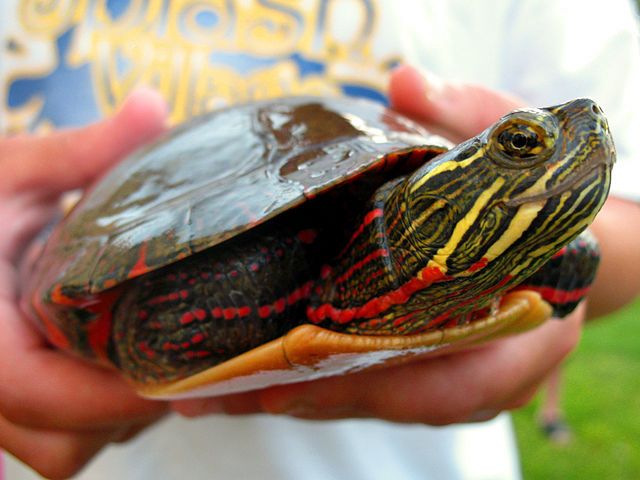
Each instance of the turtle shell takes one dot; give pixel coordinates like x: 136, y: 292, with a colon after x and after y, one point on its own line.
x: 176, y: 198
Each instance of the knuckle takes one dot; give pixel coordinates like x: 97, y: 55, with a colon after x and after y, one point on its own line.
x: 68, y: 456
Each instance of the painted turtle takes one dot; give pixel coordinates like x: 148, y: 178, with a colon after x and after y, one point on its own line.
x: 285, y: 240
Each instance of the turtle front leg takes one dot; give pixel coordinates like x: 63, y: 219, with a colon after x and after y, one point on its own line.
x: 565, y: 279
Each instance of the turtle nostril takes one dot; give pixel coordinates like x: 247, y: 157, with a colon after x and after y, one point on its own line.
x: 597, y: 111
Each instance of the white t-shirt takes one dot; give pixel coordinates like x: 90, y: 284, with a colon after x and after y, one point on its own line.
x: 67, y: 66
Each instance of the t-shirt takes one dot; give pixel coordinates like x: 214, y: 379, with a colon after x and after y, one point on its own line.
x: 69, y: 63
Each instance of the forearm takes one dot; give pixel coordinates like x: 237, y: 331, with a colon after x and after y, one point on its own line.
x: 618, y: 281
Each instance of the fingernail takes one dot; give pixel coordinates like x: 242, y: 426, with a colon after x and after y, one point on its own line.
x: 434, y: 86
x: 146, y: 106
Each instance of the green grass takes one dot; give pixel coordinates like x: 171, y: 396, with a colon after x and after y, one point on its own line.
x: 601, y: 400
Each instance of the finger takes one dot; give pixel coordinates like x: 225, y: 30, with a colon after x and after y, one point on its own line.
x: 58, y: 391
x: 72, y: 158
x: 438, y: 391
x: 245, y: 403
x: 70, y: 394
x: 53, y: 454
x: 456, y: 110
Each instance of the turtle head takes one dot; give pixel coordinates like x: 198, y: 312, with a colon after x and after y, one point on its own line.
x: 512, y: 196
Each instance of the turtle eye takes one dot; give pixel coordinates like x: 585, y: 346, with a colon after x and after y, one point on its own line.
x: 524, y: 139
x: 519, y: 143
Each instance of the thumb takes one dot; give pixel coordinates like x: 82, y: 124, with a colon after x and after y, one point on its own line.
x: 456, y: 110
x: 72, y: 158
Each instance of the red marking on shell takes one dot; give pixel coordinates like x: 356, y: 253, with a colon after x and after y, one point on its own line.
x: 55, y: 335
x: 99, y: 329
x: 205, y: 275
x: 381, y: 252
x: 143, y: 315
x: 60, y: 298
x: 233, y: 273
x: 229, y: 313
x: 307, y: 236
x: 264, y: 311
x: 200, y: 313
x: 187, y: 318
x: 254, y: 267
x: 184, y: 294
x: 479, y: 265
x: 244, y: 311
x: 216, y: 312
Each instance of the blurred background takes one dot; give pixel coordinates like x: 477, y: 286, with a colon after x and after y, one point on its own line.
x: 601, y: 402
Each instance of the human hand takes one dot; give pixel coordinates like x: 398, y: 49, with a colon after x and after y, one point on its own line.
x: 473, y: 385
x: 56, y: 411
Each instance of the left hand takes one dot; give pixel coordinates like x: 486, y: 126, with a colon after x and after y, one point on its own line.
x: 57, y: 411
x: 474, y: 385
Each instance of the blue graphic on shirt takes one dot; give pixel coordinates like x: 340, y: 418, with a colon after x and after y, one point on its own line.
x: 362, y: 91
x: 202, y: 65
x: 117, y: 8
x: 66, y: 92
x: 246, y: 64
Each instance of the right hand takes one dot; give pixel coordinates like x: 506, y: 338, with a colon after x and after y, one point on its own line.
x: 56, y: 411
